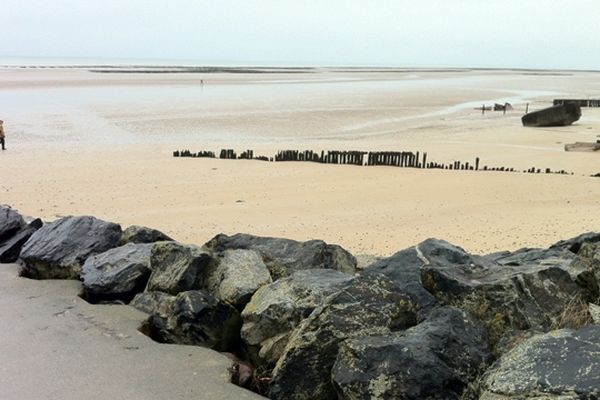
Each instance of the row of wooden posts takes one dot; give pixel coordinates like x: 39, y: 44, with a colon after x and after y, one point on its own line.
x: 406, y: 159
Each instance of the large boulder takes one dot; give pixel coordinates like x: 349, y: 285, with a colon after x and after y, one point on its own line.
x: 117, y: 274
x: 177, y: 267
x: 559, y: 365
x: 11, y: 248
x: 369, y: 305
x: 10, y: 223
x: 283, y: 256
x: 404, y: 268
x: 142, y: 234
x: 236, y: 275
x: 436, y: 359
x: 193, y: 318
x: 574, y: 244
x: 59, y: 249
x: 275, y: 310
x: 528, y: 289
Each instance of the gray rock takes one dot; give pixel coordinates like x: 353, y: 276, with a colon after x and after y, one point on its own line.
x: 574, y: 244
x: 152, y: 302
x: 404, y: 268
x: 436, y: 359
x: 11, y: 222
x: 142, y: 234
x: 59, y: 249
x: 528, y: 289
x: 193, y: 318
x: 586, y: 267
x: 275, y: 310
x: 557, y: 365
x: 236, y: 276
x: 283, y: 256
x: 11, y: 248
x: 369, y: 305
x: 177, y: 267
x: 117, y: 274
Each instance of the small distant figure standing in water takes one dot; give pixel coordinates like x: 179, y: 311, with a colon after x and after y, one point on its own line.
x: 2, y: 134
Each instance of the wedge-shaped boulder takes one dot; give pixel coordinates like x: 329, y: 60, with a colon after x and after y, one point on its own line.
x: 574, y: 244
x: 528, y: 289
x: 435, y: 359
x: 275, y: 310
x: 369, y: 305
x: 558, y: 365
x: 117, y: 274
x: 59, y: 249
x: 284, y: 257
x: 142, y: 234
x: 11, y: 222
x: 194, y: 318
x: 11, y: 248
x: 177, y: 267
x: 236, y: 275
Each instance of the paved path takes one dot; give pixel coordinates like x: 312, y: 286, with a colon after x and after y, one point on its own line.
x: 56, y: 346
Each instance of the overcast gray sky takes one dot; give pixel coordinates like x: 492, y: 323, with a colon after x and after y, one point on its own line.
x: 476, y: 33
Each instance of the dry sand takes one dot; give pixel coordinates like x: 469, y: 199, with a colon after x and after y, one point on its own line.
x: 101, y: 144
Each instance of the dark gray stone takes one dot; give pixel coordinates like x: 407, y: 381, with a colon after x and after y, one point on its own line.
x: 235, y: 276
x: 275, y: 310
x: 59, y: 249
x: 177, y: 267
x: 151, y: 302
x: 283, y: 256
x: 557, y: 365
x: 369, y: 305
x: 404, y: 268
x: 193, y: 318
x: 142, y: 234
x: 11, y: 222
x: 527, y: 289
x: 436, y: 359
x: 574, y: 244
x: 117, y: 274
x: 11, y: 248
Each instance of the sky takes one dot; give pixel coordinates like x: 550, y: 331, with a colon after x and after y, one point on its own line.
x: 434, y: 33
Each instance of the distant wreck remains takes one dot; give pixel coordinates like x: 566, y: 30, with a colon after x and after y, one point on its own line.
x: 581, y: 103
x: 559, y: 115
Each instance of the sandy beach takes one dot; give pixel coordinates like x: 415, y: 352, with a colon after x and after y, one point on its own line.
x: 101, y: 144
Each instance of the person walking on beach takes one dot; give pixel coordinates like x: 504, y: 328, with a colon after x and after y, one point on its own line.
x: 2, y: 134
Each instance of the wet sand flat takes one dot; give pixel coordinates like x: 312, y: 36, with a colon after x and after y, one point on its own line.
x: 101, y: 144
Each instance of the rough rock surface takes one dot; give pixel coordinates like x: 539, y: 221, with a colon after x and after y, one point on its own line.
x: 275, y: 310
x: 284, y: 256
x: 527, y: 289
x: 11, y: 248
x: 557, y: 365
x: 404, y: 268
x: 177, y: 267
x: 574, y: 244
x: 151, y: 302
x: 369, y: 305
x: 10, y: 223
x: 118, y: 273
x: 236, y: 276
x: 586, y: 267
x: 59, y: 249
x: 193, y: 317
x: 435, y: 359
x: 142, y: 234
